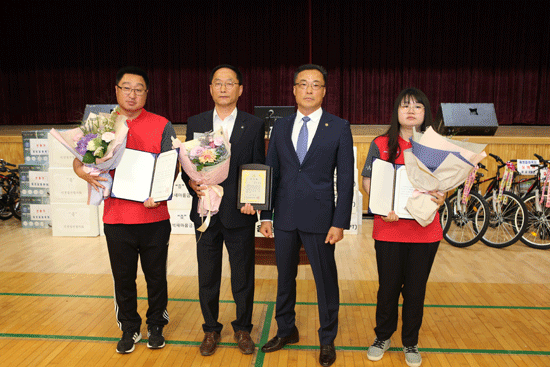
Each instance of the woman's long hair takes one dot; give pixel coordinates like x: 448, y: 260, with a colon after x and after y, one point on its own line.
x: 393, y: 132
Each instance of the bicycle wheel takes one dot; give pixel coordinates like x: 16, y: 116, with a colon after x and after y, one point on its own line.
x: 468, y: 222
x: 508, y: 220
x: 537, y: 234
x: 5, y: 212
x: 15, y: 200
x: 16, y: 209
x: 444, y: 216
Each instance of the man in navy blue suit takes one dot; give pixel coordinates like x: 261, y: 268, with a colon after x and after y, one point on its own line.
x: 305, y: 151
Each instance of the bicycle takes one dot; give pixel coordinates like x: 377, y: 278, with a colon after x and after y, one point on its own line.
x: 508, y: 220
x: 10, y: 199
x: 537, y: 234
x: 465, y: 220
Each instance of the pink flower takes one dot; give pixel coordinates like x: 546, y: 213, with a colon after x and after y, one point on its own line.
x: 218, y: 141
x: 208, y: 156
x: 196, y: 151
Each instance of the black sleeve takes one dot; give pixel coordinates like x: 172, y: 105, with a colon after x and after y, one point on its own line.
x: 167, y: 136
x: 374, y: 152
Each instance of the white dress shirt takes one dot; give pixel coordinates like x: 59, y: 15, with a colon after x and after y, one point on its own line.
x: 228, y: 123
x: 311, y: 126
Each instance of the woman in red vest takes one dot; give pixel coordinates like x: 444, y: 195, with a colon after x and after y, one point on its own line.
x: 405, y: 250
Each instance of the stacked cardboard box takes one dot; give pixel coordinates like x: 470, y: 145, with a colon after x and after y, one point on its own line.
x: 34, y: 180
x: 179, y: 208
x: 70, y: 214
x: 357, y: 203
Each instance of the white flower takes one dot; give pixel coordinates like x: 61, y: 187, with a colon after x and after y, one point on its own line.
x: 91, y: 117
x: 107, y: 136
x: 99, y: 152
x: 93, y: 144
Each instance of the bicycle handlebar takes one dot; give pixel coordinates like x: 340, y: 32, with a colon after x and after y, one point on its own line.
x: 541, y: 160
x: 497, y: 158
x: 3, y: 163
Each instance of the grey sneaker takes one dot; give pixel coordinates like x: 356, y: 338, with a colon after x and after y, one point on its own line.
x: 377, y: 349
x: 412, y: 356
x: 128, y: 341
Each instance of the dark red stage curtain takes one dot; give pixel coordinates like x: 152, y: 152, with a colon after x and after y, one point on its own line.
x: 56, y: 57
x: 455, y: 51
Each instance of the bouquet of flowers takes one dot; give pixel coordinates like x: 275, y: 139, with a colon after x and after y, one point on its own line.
x: 206, y: 160
x: 98, y: 143
x: 436, y: 163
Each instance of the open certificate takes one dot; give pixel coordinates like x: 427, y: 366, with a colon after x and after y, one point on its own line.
x: 141, y: 175
x: 389, y: 189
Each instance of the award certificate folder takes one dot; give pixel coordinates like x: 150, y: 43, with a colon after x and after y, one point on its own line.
x: 141, y: 175
x: 255, y: 183
x: 390, y: 189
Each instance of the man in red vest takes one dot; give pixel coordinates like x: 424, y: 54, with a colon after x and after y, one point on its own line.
x: 137, y: 230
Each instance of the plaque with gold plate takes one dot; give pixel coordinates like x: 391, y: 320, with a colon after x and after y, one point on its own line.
x: 255, y: 184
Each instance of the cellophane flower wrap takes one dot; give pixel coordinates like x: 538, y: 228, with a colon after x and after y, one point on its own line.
x: 206, y: 160
x: 436, y: 163
x: 99, y: 144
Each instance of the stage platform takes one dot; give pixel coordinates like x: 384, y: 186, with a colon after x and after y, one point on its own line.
x: 509, y: 142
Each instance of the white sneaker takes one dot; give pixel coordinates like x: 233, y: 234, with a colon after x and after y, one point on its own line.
x: 412, y: 356
x: 377, y: 349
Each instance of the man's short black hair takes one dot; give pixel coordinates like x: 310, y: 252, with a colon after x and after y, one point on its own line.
x: 226, y: 66
x: 134, y: 70
x: 321, y: 69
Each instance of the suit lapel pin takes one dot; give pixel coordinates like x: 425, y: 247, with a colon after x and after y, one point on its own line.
x: 242, y: 126
x: 326, y: 124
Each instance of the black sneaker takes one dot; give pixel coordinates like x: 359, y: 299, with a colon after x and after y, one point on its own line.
x: 128, y: 341
x: 156, y: 339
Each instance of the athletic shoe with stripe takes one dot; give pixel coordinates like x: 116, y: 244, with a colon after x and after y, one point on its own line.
x: 155, y: 337
x: 128, y: 341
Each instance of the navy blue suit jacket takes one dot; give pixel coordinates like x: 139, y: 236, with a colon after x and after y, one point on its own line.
x: 247, y: 146
x: 303, y: 194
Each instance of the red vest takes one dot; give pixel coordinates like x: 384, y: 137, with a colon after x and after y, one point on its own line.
x: 145, y: 133
x: 404, y: 230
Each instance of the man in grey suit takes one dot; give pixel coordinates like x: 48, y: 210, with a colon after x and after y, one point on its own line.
x: 305, y: 150
x: 230, y: 225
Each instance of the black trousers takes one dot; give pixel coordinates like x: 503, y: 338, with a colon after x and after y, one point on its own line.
x: 149, y: 242
x: 240, y: 248
x: 323, y: 265
x: 403, y: 268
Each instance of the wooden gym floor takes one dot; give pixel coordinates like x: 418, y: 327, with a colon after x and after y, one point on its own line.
x: 484, y: 307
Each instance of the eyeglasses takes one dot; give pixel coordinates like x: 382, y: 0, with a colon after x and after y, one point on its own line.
x: 416, y: 107
x: 314, y: 85
x: 127, y: 91
x: 228, y: 85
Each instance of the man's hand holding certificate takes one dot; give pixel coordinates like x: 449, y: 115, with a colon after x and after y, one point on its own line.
x: 255, y: 184
x: 141, y: 175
